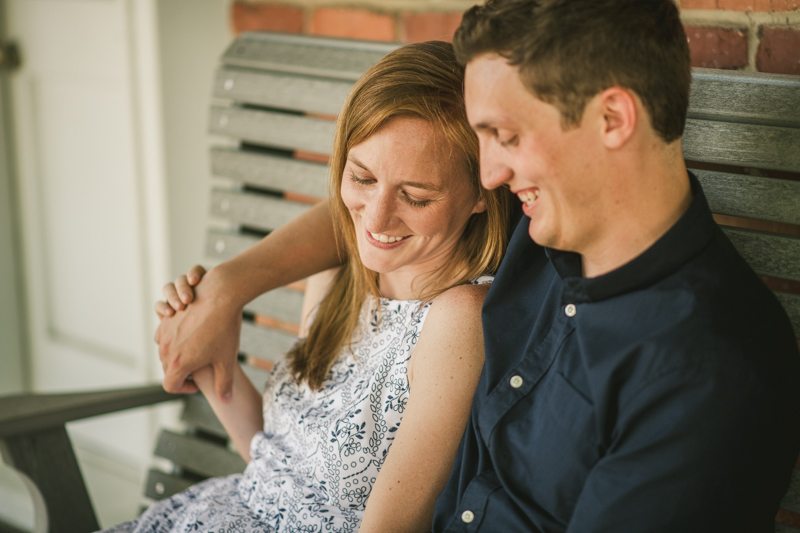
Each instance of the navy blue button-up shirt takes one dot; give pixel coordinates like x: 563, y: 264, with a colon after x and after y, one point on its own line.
x: 662, y: 396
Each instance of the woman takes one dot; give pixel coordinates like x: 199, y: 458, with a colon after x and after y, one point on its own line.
x: 401, y: 315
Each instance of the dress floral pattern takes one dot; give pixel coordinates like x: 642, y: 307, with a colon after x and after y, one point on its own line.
x: 314, y: 465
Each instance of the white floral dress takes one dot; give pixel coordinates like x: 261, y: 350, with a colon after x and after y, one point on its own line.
x: 314, y: 465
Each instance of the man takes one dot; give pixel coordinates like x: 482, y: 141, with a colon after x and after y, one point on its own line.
x: 638, y: 376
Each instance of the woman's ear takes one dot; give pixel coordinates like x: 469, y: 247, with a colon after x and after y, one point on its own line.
x: 480, y: 207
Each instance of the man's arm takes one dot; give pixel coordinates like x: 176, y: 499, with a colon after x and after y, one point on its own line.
x: 692, y: 454
x: 207, y: 332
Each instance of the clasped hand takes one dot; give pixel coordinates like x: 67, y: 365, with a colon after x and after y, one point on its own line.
x: 205, y: 333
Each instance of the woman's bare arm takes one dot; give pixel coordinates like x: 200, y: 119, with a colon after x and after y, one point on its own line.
x: 207, y: 332
x: 444, y: 372
x: 242, y: 417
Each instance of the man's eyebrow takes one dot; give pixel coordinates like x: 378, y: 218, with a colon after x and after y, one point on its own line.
x: 483, y: 126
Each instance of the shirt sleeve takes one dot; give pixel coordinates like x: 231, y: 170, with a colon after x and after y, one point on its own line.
x: 691, y: 451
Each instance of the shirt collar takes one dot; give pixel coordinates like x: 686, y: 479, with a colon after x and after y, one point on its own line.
x: 690, y: 234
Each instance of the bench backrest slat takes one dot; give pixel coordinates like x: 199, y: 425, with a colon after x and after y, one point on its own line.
x: 271, y: 171
x: 747, y: 145
x: 314, y: 56
x: 254, y: 210
x: 281, y: 90
x: 270, y: 128
x: 745, y: 196
x: 203, y: 458
x: 746, y: 97
x: 769, y: 254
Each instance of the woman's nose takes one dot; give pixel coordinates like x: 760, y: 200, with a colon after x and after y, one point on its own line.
x: 379, y: 211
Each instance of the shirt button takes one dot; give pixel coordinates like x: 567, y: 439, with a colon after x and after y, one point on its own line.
x: 570, y: 310
x: 467, y: 517
x: 516, y: 382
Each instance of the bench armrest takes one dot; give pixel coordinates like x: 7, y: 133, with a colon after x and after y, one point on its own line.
x: 29, y: 413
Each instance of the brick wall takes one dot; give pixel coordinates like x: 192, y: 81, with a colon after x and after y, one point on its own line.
x: 761, y: 35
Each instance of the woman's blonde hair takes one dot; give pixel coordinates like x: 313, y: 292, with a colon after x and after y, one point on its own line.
x: 421, y: 80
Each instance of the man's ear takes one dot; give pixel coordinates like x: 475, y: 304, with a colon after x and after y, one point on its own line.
x: 620, y: 116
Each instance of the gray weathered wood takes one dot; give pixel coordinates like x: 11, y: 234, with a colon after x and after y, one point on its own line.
x: 738, y: 195
x: 222, y: 245
x: 769, y: 254
x: 160, y: 485
x: 748, y: 97
x: 27, y: 413
x: 197, y: 413
x: 47, y: 459
x: 315, y: 56
x: 257, y: 376
x: 281, y: 90
x: 273, y: 128
x: 200, y: 457
x: 255, y: 210
x: 269, y: 344
x: 791, y: 302
x: 283, y: 304
x: 271, y: 171
x: 749, y: 145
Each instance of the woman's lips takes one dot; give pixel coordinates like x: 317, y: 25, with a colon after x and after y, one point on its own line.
x: 391, y: 240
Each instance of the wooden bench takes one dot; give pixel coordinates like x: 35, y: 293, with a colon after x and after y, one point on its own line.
x: 274, y: 100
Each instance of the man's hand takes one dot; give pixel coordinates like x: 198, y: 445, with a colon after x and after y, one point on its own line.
x: 205, y: 333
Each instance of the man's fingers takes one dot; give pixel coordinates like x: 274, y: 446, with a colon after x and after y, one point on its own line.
x: 188, y: 387
x: 171, y: 294
x: 185, y: 291
x: 163, y: 309
x: 195, y: 274
x: 223, y: 379
x: 177, y: 384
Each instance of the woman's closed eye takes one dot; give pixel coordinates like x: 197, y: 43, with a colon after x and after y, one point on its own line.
x: 413, y: 202
x: 360, y: 181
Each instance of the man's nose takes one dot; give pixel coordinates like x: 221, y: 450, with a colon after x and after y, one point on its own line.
x: 495, y: 170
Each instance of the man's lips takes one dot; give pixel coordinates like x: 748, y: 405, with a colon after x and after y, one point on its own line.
x: 528, y: 196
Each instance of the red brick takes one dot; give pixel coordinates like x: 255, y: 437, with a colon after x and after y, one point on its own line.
x: 430, y: 26
x: 759, y: 5
x: 273, y: 17
x: 352, y: 23
x: 698, y: 4
x: 717, y: 47
x: 779, y: 51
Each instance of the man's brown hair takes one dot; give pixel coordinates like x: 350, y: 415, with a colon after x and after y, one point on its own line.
x: 568, y: 51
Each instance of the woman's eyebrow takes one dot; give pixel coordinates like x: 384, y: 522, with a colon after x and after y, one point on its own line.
x: 419, y: 185
x: 357, y: 162
x: 416, y: 184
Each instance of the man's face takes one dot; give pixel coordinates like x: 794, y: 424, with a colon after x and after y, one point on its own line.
x: 523, y: 146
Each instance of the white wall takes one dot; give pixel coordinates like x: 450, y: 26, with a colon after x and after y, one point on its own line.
x: 193, y: 35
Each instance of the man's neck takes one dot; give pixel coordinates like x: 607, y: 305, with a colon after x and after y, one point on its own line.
x: 658, y: 194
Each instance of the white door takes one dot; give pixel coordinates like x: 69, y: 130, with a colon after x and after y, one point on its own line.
x: 91, y: 201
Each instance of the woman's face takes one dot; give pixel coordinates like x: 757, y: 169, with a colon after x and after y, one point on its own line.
x: 409, y: 194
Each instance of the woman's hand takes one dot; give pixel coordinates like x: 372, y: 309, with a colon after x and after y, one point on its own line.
x: 180, y: 293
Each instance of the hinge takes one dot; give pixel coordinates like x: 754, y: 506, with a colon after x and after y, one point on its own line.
x: 9, y: 56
